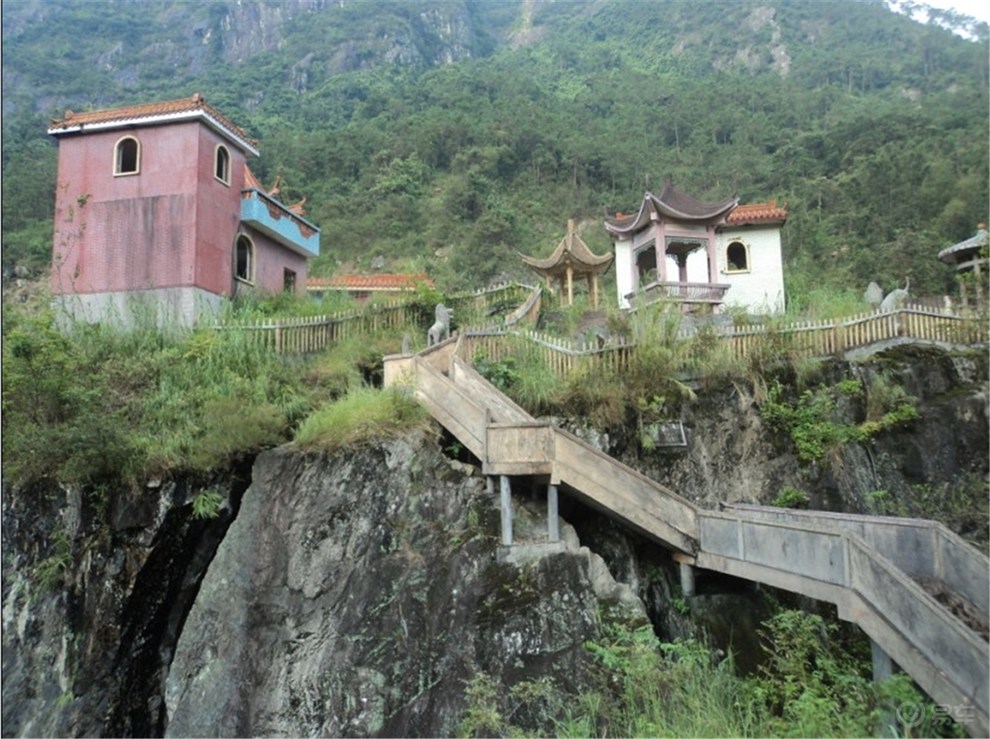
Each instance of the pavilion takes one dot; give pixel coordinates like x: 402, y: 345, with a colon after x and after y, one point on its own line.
x: 572, y: 258
x: 970, y: 256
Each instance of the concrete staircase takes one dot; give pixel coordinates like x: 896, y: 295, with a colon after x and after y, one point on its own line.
x: 870, y: 567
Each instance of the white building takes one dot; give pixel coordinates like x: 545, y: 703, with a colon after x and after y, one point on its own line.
x: 699, y: 254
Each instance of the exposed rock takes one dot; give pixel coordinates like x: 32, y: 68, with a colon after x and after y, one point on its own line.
x: 95, y: 587
x: 357, y: 593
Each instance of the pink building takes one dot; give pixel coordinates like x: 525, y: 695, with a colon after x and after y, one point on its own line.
x: 156, y: 210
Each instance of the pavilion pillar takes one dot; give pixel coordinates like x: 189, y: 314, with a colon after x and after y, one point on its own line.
x: 712, y: 256
x: 570, y: 284
x: 593, y: 289
x: 978, y: 282
x: 660, y: 242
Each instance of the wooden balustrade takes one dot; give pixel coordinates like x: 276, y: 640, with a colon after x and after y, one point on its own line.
x: 832, y: 337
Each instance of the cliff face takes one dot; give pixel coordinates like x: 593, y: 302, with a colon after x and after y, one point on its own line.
x: 929, y: 467
x: 354, y: 595
x: 95, y: 589
x: 357, y: 593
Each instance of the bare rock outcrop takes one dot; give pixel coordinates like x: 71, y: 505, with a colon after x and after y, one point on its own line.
x: 356, y: 594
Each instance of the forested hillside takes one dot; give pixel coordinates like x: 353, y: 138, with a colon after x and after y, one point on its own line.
x: 444, y: 136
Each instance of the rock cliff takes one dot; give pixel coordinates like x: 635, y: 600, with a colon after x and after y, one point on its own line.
x: 358, y: 593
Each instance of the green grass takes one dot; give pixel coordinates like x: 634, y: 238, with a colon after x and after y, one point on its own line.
x: 361, y: 417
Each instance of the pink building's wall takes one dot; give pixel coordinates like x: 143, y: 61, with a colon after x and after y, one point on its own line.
x: 126, y: 232
x: 219, y: 208
x: 271, y: 261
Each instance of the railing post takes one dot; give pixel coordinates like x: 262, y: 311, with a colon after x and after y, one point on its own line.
x: 553, y: 523
x: 506, y: 501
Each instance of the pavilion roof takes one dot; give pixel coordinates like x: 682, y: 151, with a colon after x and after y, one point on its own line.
x: 572, y: 251
x: 190, y: 108
x: 972, y: 244
x: 671, y: 204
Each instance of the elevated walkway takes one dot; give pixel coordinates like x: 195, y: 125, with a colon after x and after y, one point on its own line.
x: 869, y: 567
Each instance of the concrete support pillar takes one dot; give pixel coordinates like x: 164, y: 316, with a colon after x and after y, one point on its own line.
x: 687, y: 579
x: 506, y: 490
x: 883, y: 665
x: 553, y: 523
x: 686, y: 562
x: 883, y: 668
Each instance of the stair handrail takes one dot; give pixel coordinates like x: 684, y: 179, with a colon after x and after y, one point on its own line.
x: 930, y: 550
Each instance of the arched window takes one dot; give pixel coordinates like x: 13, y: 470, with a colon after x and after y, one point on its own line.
x: 221, y: 169
x: 127, y: 156
x: 244, y: 259
x: 737, y: 257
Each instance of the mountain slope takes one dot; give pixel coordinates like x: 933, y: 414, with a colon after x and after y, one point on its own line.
x: 443, y: 136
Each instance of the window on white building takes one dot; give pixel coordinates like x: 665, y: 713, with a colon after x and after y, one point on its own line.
x: 737, y: 257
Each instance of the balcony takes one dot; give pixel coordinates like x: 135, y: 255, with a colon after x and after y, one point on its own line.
x: 269, y: 216
x: 688, y: 293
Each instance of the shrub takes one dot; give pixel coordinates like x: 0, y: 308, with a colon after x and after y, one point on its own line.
x: 101, y: 404
x: 207, y: 504
x: 790, y: 498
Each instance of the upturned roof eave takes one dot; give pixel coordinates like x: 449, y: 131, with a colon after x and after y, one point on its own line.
x: 577, y: 255
x: 981, y: 239
x: 652, y: 204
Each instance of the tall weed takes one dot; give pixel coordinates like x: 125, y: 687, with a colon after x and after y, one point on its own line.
x: 361, y: 417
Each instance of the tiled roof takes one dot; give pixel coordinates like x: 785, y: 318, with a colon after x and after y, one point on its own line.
x: 570, y: 251
x: 971, y: 245
x: 147, y: 113
x: 368, y: 282
x: 757, y: 213
x: 670, y: 203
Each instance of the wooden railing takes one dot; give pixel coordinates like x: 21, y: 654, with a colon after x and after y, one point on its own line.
x: 315, y: 333
x: 833, y: 337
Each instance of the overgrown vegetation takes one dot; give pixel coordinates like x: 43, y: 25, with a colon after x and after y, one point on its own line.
x: 813, y: 683
x: 361, y: 417
x: 640, y: 387
x: 99, y: 404
x: 816, y: 424
x: 870, y: 127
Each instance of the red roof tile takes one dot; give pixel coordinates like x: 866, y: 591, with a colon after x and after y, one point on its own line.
x: 196, y: 104
x: 757, y: 213
x: 368, y: 282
